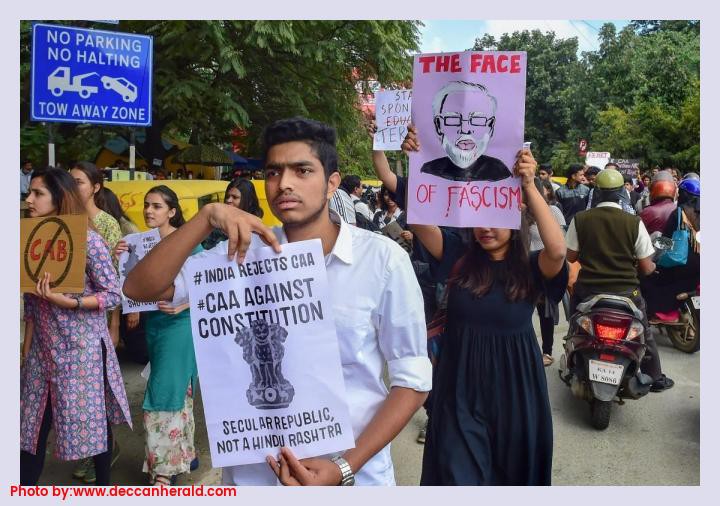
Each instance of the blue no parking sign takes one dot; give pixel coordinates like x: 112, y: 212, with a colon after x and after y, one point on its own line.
x: 91, y: 76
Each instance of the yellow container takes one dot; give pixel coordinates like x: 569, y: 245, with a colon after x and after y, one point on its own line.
x: 192, y: 195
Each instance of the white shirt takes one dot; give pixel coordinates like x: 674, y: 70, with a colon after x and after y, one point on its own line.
x: 361, y: 206
x: 390, y: 217
x: 643, y: 244
x: 343, y: 205
x: 25, y: 181
x: 379, y: 319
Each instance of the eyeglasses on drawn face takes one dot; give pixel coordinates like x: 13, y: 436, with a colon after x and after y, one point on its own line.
x: 455, y: 120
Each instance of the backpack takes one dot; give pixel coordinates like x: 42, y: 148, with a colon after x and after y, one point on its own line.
x: 362, y: 222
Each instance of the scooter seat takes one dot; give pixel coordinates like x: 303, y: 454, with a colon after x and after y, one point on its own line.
x: 670, y: 316
x: 613, y: 304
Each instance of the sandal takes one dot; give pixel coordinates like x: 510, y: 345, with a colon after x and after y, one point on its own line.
x: 547, y: 359
x: 164, y: 481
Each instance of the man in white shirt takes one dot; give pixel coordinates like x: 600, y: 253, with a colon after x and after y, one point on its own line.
x: 381, y: 322
x: 342, y: 204
x: 353, y: 187
x: 26, y: 172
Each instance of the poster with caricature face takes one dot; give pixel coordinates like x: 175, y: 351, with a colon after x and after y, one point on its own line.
x: 469, y: 111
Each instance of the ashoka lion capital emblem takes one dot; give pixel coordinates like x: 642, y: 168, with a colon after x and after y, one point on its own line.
x: 263, y: 350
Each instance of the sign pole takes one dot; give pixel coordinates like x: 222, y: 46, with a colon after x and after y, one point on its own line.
x: 51, y: 146
x: 132, y: 154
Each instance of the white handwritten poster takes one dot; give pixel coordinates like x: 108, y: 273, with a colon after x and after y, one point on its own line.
x: 138, y: 246
x: 392, y: 117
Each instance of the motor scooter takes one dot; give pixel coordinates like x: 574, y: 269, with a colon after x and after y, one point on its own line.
x: 603, y: 353
x: 682, y: 325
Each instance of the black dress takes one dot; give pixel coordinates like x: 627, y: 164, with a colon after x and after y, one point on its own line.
x: 491, y: 422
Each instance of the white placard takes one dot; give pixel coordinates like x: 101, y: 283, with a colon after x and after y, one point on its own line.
x: 597, y: 159
x: 138, y: 246
x: 267, y: 355
x: 392, y: 117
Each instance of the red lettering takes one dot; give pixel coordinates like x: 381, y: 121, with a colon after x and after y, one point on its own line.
x: 502, y: 63
x: 426, y: 190
x: 517, y: 193
x: 49, y: 250
x: 426, y: 62
x: 61, y: 250
x: 475, y: 60
x: 515, y: 64
x: 455, y: 63
x: 475, y: 191
x: 485, y: 199
x: 33, y: 255
x: 451, y: 190
x: 442, y: 64
x: 502, y: 194
x: 464, y: 196
x: 488, y: 63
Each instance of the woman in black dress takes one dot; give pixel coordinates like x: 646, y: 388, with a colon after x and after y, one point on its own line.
x: 491, y: 422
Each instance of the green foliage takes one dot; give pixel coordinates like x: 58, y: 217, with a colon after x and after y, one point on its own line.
x: 212, y: 76
x: 552, y: 70
x: 637, y: 96
x: 564, y: 154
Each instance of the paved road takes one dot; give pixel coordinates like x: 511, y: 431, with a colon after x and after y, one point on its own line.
x: 652, y: 441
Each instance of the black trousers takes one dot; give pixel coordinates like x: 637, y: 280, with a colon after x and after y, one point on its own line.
x: 651, y: 366
x: 31, y: 466
x: 547, y: 329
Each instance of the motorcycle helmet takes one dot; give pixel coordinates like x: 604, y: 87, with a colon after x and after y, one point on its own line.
x: 609, y: 179
x: 691, y: 186
x: 663, y: 175
x: 662, y: 189
x: 691, y: 175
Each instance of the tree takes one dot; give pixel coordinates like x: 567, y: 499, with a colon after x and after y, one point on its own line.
x: 552, y: 70
x: 647, y: 88
x: 212, y: 76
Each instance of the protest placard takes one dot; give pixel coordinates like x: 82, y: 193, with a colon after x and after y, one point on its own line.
x: 138, y: 246
x: 392, y: 117
x: 469, y: 109
x: 597, y: 159
x: 627, y: 167
x: 267, y: 354
x: 57, y: 245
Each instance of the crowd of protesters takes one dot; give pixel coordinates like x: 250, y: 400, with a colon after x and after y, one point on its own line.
x: 489, y: 419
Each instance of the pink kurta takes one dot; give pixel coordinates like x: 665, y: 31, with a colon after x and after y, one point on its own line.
x: 65, y: 362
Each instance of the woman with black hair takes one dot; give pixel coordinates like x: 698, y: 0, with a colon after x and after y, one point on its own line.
x: 490, y: 420
x: 168, y: 404
x: 114, y: 208
x: 89, y: 182
x: 70, y: 378
x: 389, y: 210
x: 240, y: 193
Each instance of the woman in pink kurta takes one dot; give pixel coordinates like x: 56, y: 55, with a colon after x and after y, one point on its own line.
x: 70, y: 379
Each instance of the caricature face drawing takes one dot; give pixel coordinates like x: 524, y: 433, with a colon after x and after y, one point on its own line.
x: 464, y: 119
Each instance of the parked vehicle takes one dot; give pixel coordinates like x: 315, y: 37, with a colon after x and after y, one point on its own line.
x: 603, y: 353
x: 683, y: 325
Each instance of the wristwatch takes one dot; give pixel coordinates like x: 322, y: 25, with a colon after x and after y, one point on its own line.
x: 78, y: 298
x: 348, y: 477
